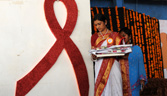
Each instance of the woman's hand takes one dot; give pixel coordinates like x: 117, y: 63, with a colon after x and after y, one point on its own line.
x: 94, y: 57
x: 142, y: 82
x: 125, y: 57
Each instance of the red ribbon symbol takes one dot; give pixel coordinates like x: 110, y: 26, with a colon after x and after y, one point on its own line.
x: 25, y: 84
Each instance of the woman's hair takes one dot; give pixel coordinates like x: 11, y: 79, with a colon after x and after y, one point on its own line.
x: 126, y: 30
x: 99, y: 17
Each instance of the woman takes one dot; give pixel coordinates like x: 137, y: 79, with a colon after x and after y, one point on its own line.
x: 137, y: 74
x: 108, y: 81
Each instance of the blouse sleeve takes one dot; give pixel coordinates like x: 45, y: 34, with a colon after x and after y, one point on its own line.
x: 118, y: 39
x: 93, y: 39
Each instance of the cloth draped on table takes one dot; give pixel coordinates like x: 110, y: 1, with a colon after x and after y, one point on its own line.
x: 109, y: 73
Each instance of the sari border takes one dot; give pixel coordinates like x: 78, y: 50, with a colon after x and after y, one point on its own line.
x: 125, y: 77
x: 100, y: 84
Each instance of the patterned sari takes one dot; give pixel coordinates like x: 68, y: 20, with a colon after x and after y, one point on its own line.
x: 108, y: 76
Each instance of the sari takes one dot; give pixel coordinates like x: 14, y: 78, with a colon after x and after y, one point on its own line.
x: 136, y: 70
x: 108, y: 79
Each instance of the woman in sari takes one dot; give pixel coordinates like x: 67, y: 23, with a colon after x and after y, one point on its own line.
x: 108, y: 80
x: 137, y: 74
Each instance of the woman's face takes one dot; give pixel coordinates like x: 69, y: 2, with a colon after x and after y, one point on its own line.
x: 127, y: 38
x: 100, y: 25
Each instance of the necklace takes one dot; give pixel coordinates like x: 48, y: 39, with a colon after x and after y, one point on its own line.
x: 104, y: 34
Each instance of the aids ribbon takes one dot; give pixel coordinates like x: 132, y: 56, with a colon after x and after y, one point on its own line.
x: 63, y: 41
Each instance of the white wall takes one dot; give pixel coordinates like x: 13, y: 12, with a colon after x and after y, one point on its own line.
x: 163, y: 29
x: 25, y: 38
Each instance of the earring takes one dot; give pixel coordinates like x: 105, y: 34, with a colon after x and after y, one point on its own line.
x: 130, y: 41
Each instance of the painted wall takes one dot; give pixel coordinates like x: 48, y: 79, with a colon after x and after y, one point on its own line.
x: 25, y: 38
x: 163, y: 32
x: 153, y: 8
